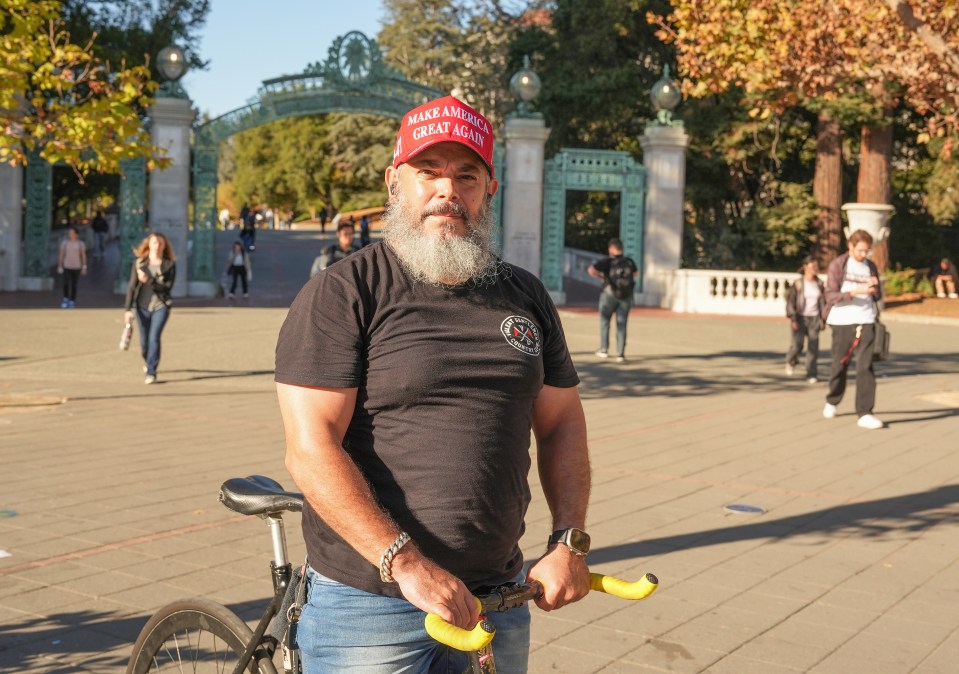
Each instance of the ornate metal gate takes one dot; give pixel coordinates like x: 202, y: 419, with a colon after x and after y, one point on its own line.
x: 592, y: 171
x: 352, y: 79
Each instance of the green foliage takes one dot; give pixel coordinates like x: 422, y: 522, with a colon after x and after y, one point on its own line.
x: 592, y: 219
x: 461, y: 47
x: 788, y: 222
x: 598, y: 62
x: 901, y: 281
x: 308, y: 163
x: 421, y: 39
x: 942, y: 189
x: 925, y: 287
x: 134, y: 31
x: 748, y: 194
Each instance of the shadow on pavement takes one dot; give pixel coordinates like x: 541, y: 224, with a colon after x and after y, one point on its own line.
x: 908, y: 514
x: 218, y: 374
x: 665, y: 374
x: 82, y: 641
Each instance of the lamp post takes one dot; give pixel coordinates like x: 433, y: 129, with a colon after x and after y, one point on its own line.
x: 171, y: 123
x: 525, y: 85
x: 171, y: 62
x: 666, y: 96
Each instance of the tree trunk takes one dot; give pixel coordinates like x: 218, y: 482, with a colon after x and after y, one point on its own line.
x: 874, y: 185
x: 827, y: 189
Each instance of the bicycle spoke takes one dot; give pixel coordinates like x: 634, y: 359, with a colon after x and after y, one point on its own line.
x: 194, y: 652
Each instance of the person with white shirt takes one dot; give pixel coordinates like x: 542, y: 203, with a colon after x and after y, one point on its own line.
x: 852, y: 298
x: 804, y: 304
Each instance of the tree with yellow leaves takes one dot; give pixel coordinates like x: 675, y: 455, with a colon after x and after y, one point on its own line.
x: 59, y: 101
x: 831, y: 57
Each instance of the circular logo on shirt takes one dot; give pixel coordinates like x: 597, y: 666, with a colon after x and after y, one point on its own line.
x: 522, y: 334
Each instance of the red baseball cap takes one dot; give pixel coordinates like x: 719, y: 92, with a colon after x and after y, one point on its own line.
x: 444, y: 120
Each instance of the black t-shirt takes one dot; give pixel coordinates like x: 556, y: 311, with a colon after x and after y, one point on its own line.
x: 446, y: 381
x: 603, y: 266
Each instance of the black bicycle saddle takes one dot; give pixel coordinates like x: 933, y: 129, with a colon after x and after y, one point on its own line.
x: 259, y: 495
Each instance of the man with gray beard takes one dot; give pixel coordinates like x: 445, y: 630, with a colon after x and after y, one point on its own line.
x: 409, y: 377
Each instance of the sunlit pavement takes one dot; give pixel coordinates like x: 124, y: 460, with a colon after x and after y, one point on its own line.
x: 109, y: 507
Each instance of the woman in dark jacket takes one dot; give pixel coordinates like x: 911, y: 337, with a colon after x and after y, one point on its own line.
x: 148, y: 297
x: 804, y: 304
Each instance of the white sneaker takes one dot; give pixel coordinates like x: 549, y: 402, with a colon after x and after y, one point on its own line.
x: 870, y: 422
x: 829, y: 411
x: 940, y: 295
x: 811, y: 380
x: 953, y: 296
x: 620, y: 359
x: 602, y: 354
x: 790, y: 370
x: 150, y: 379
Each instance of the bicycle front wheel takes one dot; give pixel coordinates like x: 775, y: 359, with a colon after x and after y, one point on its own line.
x: 197, y: 636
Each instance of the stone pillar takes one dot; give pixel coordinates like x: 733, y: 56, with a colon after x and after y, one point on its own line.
x: 523, y: 197
x: 664, y: 156
x: 11, y: 222
x: 171, y: 120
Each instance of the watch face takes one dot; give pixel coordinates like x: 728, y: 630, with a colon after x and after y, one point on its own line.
x: 579, y: 540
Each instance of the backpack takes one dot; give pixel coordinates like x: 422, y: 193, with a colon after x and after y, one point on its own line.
x: 620, y: 278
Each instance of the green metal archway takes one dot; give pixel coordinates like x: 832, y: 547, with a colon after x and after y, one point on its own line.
x: 353, y: 79
x: 593, y: 171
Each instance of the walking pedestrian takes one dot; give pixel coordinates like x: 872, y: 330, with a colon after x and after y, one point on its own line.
x: 618, y: 273
x: 805, y: 302
x: 336, y: 251
x: 323, y: 217
x: 238, y: 267
x: 148, y: 297
x: 101, y: 231
x: 248, y: 231
x: 71, y: 264
x: 364, y: 231
x: 852, y: 309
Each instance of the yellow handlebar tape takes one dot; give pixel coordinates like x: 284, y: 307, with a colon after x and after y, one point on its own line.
x: 482, y: 634
x: 623, y: 589
x: 458, y: 638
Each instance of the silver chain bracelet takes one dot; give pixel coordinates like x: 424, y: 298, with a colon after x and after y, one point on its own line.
x: 386, y: 561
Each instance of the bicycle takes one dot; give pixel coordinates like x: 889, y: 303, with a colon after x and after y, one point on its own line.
x: 199, y: 635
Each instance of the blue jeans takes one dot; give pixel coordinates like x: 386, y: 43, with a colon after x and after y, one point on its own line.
x: 343, y: 629
x: 608, y: 304
x: 151, y: 327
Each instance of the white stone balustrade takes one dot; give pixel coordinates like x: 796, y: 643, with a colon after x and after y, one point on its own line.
x: 704, y: 291
x: 742, y: 293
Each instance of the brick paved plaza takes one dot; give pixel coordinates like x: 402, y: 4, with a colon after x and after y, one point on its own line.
x: 108, y: 507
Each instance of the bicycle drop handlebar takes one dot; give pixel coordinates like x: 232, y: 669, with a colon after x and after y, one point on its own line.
x: 512, y: 596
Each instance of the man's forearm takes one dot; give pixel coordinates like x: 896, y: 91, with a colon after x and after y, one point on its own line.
x: 563, y: 464
x: 337, y: 491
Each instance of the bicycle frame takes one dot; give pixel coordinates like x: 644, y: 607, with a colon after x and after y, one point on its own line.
x: 503, y: 598
x: 282, y: 572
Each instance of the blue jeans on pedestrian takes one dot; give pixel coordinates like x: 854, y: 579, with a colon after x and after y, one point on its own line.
x: 609, y: 304
x: 343, y: 629
x: 151, y: 327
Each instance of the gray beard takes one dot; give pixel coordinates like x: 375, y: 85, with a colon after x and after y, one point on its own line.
x: 450, y: 260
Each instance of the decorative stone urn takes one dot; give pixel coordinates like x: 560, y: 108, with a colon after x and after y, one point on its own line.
x: 871, y: 217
